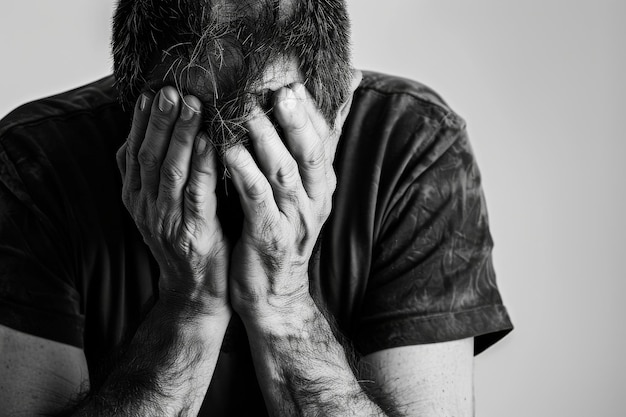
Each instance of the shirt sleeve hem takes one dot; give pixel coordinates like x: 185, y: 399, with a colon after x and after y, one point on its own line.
x: 59, y: 327
x: 486, y: 325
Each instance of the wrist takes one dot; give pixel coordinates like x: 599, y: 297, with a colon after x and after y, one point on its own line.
x: 190, y: 326
x: 196, y: 291
x: 280, y: 317
x: 193, y: 303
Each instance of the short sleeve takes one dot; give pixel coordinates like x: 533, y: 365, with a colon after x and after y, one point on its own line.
x: 432, y: 277
x: 38, y: 293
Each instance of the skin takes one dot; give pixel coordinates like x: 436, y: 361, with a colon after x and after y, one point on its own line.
x: 169, y: 175
x: 286, y: 197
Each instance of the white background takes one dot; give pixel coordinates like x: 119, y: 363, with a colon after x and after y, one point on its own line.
x: 541, y: 85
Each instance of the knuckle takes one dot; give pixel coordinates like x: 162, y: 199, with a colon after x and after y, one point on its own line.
x: 316, y: 157
x: 147, y: 158
x: 195, y: 194
x: 300, y: 125
x: 132, y: 144
x: 267, y: 132
x: 129, y: 197
x: 161, y: 122
x: 131, y: 149
x: 120, y: 155
x: 264, y: 132
x: 326, y: 209
x: 171, y: 173
x: 332, y: 181
x: 256, y: 187
x: 182, y: 135
x: 126, y: 197
x: 288, y: 171
x: 309, y: 232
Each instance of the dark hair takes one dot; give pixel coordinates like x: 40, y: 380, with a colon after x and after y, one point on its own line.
x: 219, y: 49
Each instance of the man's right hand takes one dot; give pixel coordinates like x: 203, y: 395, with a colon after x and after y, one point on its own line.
x: 169, y: 174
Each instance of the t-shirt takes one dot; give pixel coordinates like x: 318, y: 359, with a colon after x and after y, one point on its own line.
x: 404, y: 258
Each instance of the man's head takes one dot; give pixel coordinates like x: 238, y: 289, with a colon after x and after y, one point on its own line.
x: 231, y: 53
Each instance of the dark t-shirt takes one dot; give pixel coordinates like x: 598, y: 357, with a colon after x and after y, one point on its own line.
x: 404, y: 259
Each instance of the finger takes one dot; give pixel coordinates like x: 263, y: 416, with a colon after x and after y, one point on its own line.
x: 275, y: 162
x: 199, y: 198
x: 120, y: 157
x: 163, y: 116
x: 303, y: 141
x: 141, y: 116
x: 176, y: 165
x: 330, y: 134
x: 255, y: 192
x: 310, y: 107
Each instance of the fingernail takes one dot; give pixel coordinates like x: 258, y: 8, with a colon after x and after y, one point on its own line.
x: 165, y: 105
x: 290, y: 100
x: 188, y: 112
x: 200, y: 144
x: 298, y: 90
x: 143, y: 100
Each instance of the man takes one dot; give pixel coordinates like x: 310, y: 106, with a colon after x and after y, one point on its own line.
x: 279, y: 211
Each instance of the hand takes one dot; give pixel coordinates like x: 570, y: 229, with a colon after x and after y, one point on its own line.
x: 169, y: 176
x: 286, y: 196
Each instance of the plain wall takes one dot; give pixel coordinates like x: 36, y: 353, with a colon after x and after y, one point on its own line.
x: 541, y: 86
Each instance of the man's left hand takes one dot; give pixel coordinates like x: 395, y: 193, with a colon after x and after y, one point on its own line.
x: 286, y: 196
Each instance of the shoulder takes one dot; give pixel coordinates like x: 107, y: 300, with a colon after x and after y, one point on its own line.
x: 61, y: 136
x: 393, y: 117
x: 387, y: 84
x: 402, y: 96
x: 70, y: 126
x: 92, y: 98
x: 397, y: 123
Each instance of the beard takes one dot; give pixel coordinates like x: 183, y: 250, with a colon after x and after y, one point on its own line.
x: 220, y: 52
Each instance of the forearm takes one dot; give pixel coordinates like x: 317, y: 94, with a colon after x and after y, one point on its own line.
x: 166, y: 368
x: 303, y: 369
